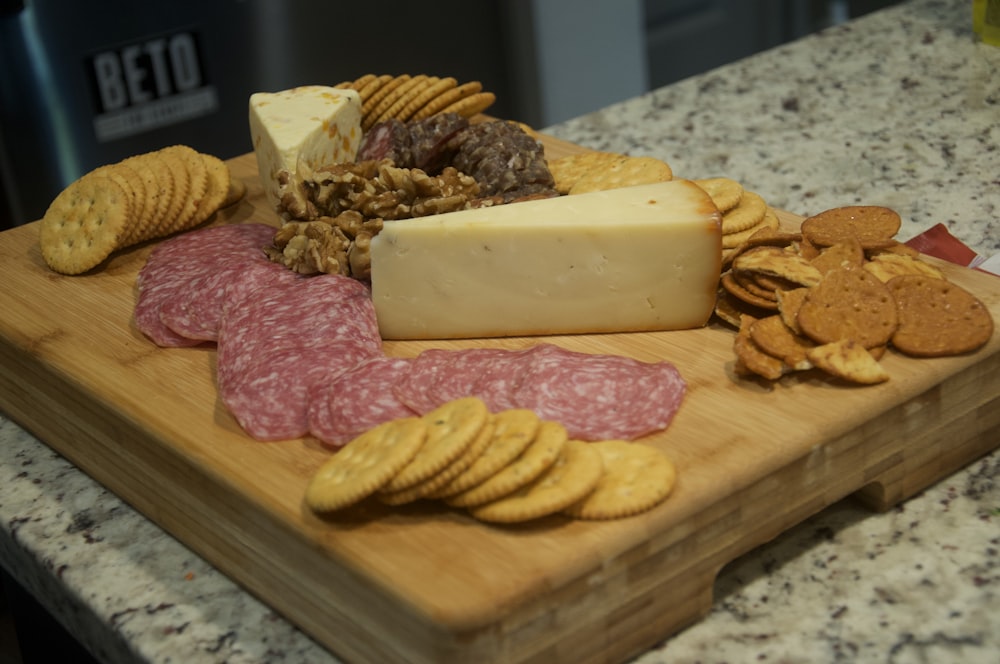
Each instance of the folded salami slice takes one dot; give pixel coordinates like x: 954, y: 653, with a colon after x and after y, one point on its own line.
x: 600, y: 397
x: 414, y: 388
x: 501, y: 376
x: 357, y: 400
x: 182, y: 285
x: 278, y: 345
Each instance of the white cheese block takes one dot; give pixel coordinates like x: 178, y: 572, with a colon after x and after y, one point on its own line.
x: 313, y: 124
x: 640, y: 258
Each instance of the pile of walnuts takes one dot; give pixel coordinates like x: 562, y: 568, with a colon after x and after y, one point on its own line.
x: 332, y: 213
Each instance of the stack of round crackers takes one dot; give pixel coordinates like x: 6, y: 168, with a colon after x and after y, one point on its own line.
x: 405, y: 97
x: 840, y: 293
x: 505, y: 467
x: 140, y: 198
x: 744, y: 212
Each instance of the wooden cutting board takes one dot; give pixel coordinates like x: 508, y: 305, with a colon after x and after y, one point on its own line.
x: 424, y: 583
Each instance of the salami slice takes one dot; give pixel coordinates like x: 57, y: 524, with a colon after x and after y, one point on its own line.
x: 499, y: 377
x: 460, y: 375
x: 389, y: 139
x: 600, y: 397
x: 357, y: 400
x: 196, y: 314
x: 414, y: 387
x: 278, y: 344
x: 181, y: 273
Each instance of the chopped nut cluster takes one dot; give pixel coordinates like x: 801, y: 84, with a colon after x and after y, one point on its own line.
x: 332, y: 213
x: 334, y: 245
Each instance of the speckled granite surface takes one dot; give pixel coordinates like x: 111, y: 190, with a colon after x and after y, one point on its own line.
x: 900, y: 108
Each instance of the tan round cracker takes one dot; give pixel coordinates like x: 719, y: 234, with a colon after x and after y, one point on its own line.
x: 843, y: 254
x: 771, y: 283
x: 724, y: 192
x: 365, y: 464
x: 376, y: 114
x: 426, y: 488
x: 636, y: 478
x: 182, y: 186
x: 625, y: 172
x: 776, y: 262
x: 848, y: 360
x: 361, y: 81
x: 539, y: 455
x: 451, y: 428
x: 404, y: 94
x: 789, y: 303
x: 887, y: 265
x: 448, y: 98
x: 197, y: 186
x: 729, y: 308
x: 896, y: 248
x: 426, y: 95
x: 572, y: 477
x: 144, y: 216
x: 369, y: 105
x: 849, y: 303
x: 472, y: 105
x: 751, y: 358
x: 775, y: 338
x: 937, y: 318
x: 84, y: 224
x: 158, y: 182
x: 746, y: 214
x: 567, y: 170
x: 748, y: 281
x: 733, y: 287
x: 874, y: 226
x: 219, y: 187
x: 133, y: 185
x: 513, y: 431
x: 237, y: 190
x: 769, y: 223
x: 366, y: 91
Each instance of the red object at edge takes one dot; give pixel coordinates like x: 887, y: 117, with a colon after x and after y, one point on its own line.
x: 937, y: 241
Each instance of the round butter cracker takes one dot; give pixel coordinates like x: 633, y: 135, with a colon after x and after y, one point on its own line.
x: 635, y: 478
x: 624, y: 172
x: 84, y: 224
x: 451, y: 429
x: 471, y: 105
x: 572, y: 476
x: 512, y: 432
x: 539, y: 455
x: 425, y: 96
x: 428, y: 487
x: 365, y: 464
x: 724, y: 192
x: 447, y: 98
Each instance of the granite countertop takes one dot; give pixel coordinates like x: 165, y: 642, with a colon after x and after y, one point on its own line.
x: 899, y: 108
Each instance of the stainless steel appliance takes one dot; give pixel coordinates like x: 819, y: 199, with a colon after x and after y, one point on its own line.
x: 88, y: 83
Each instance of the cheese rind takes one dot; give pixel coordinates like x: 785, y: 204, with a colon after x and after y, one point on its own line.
x: 644, y: 258
x: 311, y: 125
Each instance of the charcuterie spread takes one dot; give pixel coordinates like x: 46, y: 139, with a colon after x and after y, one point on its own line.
x: 401, y: 214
